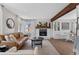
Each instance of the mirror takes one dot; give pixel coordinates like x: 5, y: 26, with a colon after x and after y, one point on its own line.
x: 10, y: 23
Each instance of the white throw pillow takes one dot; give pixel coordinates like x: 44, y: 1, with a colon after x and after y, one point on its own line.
x: 13, y: 49
x: 36, y: 51
x: 7, y: 38
x: 12, y: 38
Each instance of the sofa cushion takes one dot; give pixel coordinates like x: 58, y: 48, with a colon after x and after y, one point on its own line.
x: 12, y: 38
x: 17, y: 35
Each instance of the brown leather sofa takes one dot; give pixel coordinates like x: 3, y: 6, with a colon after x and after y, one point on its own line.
x: 18, y: 40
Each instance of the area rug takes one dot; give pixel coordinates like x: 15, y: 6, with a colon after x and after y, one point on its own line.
x: 47, y: 49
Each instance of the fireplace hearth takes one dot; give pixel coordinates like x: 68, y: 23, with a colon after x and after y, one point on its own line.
x: 43, y: 32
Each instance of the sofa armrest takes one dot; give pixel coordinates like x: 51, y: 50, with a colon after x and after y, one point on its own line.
x: 23, y: 40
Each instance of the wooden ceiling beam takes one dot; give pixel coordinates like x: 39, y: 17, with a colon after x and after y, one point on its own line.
x: 66, y: 10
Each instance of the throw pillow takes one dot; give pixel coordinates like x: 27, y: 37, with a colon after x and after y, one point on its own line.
x: 12, y: 38
x: 13, y: 49
x: 7, y: 38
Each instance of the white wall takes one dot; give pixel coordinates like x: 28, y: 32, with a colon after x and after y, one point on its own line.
x: 7, y: 14
x: 70, y: 18
x: 76, y: 42
x: 4, y: 15
x: 78, y: 16
x: 1, y: 20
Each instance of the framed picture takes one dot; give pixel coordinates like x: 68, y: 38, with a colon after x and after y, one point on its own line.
x: 10, y: 23
x: 65, y: 26
x: 57, y: 26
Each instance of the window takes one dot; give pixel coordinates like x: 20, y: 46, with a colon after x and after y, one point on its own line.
x: 27, y: 28
x: 57, y: 26
x: 65, y: 26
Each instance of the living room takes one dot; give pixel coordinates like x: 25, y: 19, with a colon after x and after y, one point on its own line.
x: 22, y: 23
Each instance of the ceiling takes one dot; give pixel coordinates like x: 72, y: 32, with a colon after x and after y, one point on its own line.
x: 36, y: 10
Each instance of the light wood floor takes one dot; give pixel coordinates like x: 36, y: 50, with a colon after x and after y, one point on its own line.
x: 62, y: 46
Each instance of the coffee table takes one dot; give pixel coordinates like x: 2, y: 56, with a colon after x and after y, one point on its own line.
x: 35, y: 42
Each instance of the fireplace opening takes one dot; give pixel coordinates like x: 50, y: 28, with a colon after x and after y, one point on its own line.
x: 43, y: 32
